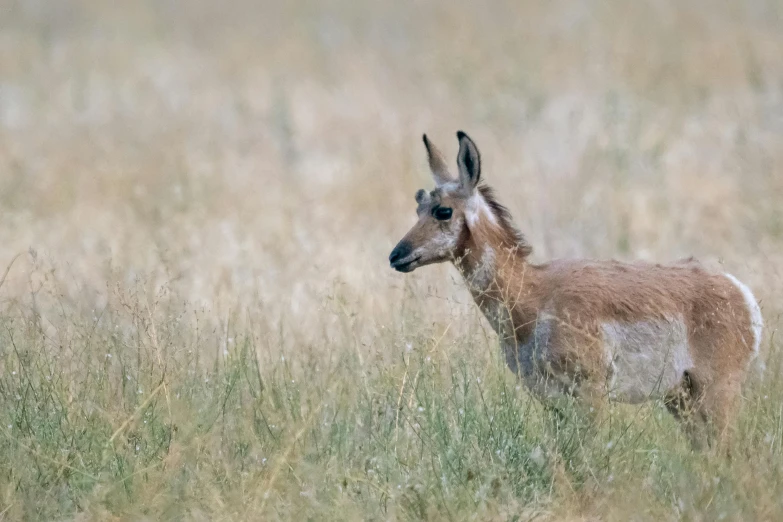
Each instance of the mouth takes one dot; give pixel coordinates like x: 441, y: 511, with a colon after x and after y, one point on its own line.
x: 406, y: 265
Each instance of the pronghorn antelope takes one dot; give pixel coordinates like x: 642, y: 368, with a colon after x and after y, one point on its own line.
x: 593, y: 330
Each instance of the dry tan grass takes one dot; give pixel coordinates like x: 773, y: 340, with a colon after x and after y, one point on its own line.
x: 243, y: 169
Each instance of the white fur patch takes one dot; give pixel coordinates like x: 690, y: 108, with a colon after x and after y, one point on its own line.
x: 476, y: 208
x: 645, y: 359
x: 450, y: 186
x: 756, y: 321
x: 485, y: 271
x: 609, y: 361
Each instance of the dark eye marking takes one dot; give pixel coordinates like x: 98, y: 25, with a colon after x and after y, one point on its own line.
x: 441, y: 213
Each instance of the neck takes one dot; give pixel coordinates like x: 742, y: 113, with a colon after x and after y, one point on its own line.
x: 487, y: 264
x: 499, y: 277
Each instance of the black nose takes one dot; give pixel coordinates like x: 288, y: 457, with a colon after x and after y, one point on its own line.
x: 401, y: 251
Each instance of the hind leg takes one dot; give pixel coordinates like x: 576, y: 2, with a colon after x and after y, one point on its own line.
x: 684, y: 404
x: 719, y: 405
x: 706, y: 411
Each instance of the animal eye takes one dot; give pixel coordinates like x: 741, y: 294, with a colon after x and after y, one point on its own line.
x: 442, y: 213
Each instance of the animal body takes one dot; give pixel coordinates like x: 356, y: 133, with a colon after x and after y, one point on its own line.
x: 593, y: 330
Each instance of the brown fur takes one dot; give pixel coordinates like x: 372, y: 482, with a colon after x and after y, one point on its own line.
x: 582, y: 297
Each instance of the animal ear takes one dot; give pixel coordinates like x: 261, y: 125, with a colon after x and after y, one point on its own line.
x: 440, y: 171
x: 469, y: 162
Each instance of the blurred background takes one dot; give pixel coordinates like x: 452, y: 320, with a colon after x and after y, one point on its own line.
x: 194, y: 191
x: 262, y: 152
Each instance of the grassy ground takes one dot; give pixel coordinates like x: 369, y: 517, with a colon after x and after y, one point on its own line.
x: 197, y: 200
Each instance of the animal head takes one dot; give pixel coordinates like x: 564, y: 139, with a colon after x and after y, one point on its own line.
x: 453, y: 214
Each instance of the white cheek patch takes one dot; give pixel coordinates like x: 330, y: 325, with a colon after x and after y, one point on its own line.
x: 441, y: 244
x: 476, y: 209
x: 446, y: 241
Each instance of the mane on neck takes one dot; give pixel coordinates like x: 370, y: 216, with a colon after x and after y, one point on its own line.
x: 509, y: 235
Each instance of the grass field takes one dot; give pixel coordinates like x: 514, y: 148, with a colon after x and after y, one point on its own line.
x: 197, y: 202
